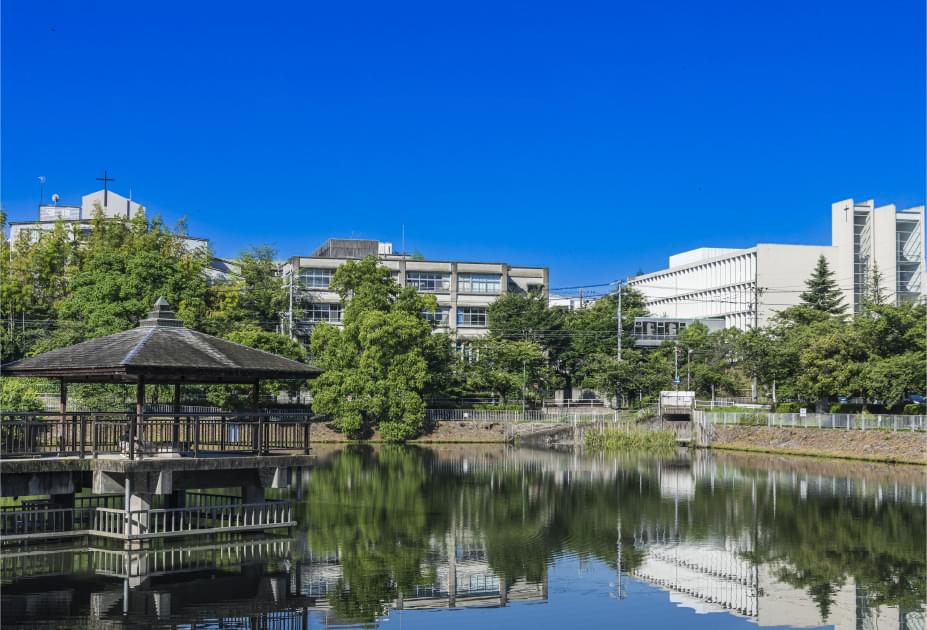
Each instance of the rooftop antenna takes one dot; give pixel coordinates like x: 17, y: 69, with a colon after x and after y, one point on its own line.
x: 403, y: 239
x: 41, y: 179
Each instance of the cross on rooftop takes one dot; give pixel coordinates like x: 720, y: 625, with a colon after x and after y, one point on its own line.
x: 105, y: 181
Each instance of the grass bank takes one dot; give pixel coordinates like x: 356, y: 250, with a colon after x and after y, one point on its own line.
x: 630, y: 440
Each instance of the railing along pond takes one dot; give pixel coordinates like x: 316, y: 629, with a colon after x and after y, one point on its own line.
x: 205, y: 514
x: 90, y: 434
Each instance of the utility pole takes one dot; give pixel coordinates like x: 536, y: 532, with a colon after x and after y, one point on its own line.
x: 524, y: 381
x: 756, y: 324
x: 676, y: 365
x: 618, y: 382
x: 688, y: 369
x: 290, y: 310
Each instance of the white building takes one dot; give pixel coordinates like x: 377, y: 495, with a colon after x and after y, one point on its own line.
x: 113, y: 206
x: 878, y: 238
x: 748, y: 286
x: 464, y: 290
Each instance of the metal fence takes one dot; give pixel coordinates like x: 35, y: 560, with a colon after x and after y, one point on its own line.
x: 846, y: 421
x: 548, y: 415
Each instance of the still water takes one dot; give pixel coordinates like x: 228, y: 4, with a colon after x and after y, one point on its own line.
x: 500, y: 537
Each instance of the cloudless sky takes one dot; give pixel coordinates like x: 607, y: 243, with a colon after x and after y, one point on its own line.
x: 595, y: 138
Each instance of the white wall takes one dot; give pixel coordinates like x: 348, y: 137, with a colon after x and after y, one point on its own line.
x: 782, y: 271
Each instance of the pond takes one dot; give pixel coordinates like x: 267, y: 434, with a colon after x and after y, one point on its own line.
x: 496, y: 536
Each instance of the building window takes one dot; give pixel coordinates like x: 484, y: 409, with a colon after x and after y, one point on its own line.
x: 316, y: 278
x: 467, y: 352
x: 478, y: 282
x: 471, y: 316
x: 429, y: 281
x: 438, y: 317
x: 321, y: 312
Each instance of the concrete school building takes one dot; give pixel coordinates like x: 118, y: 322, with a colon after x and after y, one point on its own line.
x: 464, y: 289
x: 747, y: 287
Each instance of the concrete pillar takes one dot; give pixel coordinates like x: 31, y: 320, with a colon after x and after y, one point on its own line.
x: 452, y: 315
x: 504, y: 280
x: 137, y: 515
x: 137, y: 565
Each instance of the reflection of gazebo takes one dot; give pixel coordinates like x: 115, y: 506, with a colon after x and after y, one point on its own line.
x: 159, y: 351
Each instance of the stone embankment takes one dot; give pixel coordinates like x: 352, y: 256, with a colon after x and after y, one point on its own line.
x: 465, y: 432
x: 875, y: 445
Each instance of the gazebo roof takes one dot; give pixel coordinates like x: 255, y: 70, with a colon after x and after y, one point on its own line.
x: 160, y: 350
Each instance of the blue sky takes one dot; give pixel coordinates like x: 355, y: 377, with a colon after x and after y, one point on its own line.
x: 595, y: 138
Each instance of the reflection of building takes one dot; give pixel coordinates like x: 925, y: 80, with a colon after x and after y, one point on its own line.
x: 748, y: 286
x: 707, y: 577
x: 717, y: 576
x: 462, y: 578
x: 464, y: 290
x: 222, y: 583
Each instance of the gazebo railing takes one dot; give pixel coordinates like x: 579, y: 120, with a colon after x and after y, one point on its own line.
x: 90, y: 434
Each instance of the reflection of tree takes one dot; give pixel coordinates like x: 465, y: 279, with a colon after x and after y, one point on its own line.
x: 371, y: 511
x: 390, y: 514
x: 821, y: 542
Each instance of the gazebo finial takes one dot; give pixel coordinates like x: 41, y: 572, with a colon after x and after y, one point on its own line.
x: 161, y: 315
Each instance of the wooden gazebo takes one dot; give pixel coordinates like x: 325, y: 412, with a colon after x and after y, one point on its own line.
x: 160, y: 350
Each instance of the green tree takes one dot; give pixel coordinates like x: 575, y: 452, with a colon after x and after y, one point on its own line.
x: 21, y: 394
x: 592, y: 354
x: 527, y: 316
x: 377, y: 365
x: 33, y: 280
x: 509, y: 369
x: 822, y: 292
x: 255, y: 296
x: 123, y: 267
x: 237, y: 397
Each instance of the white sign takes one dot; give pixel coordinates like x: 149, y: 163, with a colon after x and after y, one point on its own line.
x: 803, y: 412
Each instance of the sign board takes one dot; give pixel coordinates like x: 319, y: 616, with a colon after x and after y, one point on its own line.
x: 803, y: 412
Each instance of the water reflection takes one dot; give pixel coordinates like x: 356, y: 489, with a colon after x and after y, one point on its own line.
x: 390, y: 531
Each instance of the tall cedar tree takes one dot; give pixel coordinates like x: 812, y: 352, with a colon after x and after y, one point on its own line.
x: 822, y: 292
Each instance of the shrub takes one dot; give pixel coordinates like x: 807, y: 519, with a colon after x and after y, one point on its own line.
x: 790, y: 407
x: 755, y: 419
x: 845, y: 408
x: 914, y: 409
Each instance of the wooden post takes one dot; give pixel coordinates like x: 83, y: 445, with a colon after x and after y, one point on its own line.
x: 63, y: 408
x: 306, y: 427
x: 136, y: 426
x: 255, y: 406
x: 175, y: 431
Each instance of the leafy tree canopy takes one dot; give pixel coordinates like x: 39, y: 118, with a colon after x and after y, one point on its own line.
x: 378, y: 365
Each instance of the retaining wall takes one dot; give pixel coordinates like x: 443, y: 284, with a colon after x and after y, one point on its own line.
x: 873, y: 445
